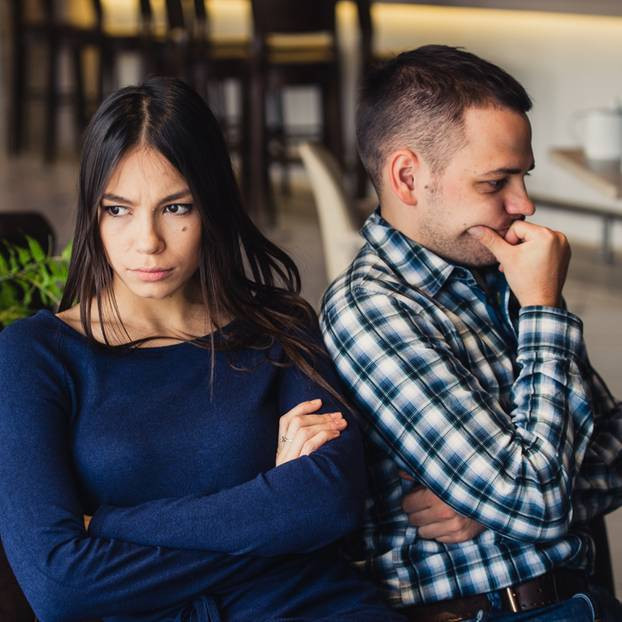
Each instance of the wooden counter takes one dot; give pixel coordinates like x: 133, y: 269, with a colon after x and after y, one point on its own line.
x: 604, y: 176
x: 588, y: 7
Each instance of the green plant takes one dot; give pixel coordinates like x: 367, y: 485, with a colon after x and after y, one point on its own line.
x: 30, y: 279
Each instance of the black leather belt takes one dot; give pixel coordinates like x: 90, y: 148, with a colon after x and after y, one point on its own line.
x: 547, y: 589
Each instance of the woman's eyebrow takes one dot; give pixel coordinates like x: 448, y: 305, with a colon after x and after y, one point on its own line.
x: 116, y: 197
x: 167, y: 199
x: 176, y: 195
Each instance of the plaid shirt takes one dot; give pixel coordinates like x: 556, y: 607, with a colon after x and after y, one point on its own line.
x: 489, y: 406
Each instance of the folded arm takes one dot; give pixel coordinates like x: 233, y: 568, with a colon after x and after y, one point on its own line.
x: 297, y: 507
x: 598, y: 487
x: 65, y: 573
x: 511, y: 469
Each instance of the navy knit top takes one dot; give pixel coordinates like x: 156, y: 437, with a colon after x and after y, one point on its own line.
x: 192, y: 521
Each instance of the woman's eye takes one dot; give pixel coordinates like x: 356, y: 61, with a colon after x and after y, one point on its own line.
x: 115, y: 210
x: 178, y: 208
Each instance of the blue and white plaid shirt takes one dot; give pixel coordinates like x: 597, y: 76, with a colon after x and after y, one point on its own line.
x: 489, y: 406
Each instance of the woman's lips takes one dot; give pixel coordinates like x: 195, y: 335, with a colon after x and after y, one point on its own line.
x: 152, y: 274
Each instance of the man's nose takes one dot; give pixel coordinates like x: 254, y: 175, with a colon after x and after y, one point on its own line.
x: 518, y: 202
x: 148, y: 238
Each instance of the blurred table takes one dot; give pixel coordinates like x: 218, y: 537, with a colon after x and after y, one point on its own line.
x: 604, y: 176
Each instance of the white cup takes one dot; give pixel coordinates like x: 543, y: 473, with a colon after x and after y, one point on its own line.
x: 600, y: 132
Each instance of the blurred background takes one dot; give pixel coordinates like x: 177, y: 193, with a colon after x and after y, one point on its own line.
x: 279, y: 74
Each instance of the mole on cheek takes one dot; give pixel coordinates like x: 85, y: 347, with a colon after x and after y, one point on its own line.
x: 184, y: 228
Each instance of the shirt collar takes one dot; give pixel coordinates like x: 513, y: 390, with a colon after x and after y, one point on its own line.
x: 418, y: 266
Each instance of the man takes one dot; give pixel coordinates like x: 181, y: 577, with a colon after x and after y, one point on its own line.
x: 491, y: 441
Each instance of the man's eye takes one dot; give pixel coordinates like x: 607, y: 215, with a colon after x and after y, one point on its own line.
x: 496, y: 184
x: 115, y: 210
x: 179, y: 208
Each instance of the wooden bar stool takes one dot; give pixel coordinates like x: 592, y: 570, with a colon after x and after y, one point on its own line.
x: 294, y: 44
x: 57, y: 35
x: 116, y: 40
x: 369, y: 55
x: 207, y: 62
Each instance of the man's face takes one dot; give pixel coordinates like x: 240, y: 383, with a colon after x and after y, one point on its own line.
x: 482, y: 184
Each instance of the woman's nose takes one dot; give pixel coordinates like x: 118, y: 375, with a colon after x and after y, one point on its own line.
x: 148, y: 238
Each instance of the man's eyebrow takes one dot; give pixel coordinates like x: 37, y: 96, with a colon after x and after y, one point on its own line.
x: 167, y: 199
x: 509, y: 171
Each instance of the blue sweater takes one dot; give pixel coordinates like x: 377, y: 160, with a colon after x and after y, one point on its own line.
x: 192, y: 521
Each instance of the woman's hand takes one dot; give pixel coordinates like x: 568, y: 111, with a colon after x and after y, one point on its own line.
x: 301, y: 432
x: 435, y: 519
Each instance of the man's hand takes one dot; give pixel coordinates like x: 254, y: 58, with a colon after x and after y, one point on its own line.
x: 301, y: 432
x: 435, y: 519
x: 534, y: 259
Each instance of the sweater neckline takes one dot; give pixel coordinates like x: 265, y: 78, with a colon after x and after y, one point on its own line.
x: 69, y: 329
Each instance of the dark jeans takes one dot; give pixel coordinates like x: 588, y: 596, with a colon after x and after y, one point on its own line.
x: 596, y: 604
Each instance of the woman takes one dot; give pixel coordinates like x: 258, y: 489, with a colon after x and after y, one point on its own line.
x: 152, y: 401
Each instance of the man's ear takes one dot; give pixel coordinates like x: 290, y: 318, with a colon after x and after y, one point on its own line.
x: 403, y: 168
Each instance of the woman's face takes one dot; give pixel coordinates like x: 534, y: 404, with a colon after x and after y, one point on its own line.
x: 150, y: 229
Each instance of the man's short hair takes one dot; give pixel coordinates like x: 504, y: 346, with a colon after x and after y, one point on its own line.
x: 417, y: 100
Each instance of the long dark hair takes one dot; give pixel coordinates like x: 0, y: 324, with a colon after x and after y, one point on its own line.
x: 241, y: 274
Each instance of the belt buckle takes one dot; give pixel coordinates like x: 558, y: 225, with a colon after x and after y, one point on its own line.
x: 514, y: 608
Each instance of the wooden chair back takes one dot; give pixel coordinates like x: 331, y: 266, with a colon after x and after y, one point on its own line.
x: 13, y: 603
x: 366, y: 32
x: 181, y: 16
x: 603, y: 569
x: 15, y: 226
x: 340, y: 238
x: 287, y: 17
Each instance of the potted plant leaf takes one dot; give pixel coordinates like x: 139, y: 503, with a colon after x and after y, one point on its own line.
x: 30, y: 279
